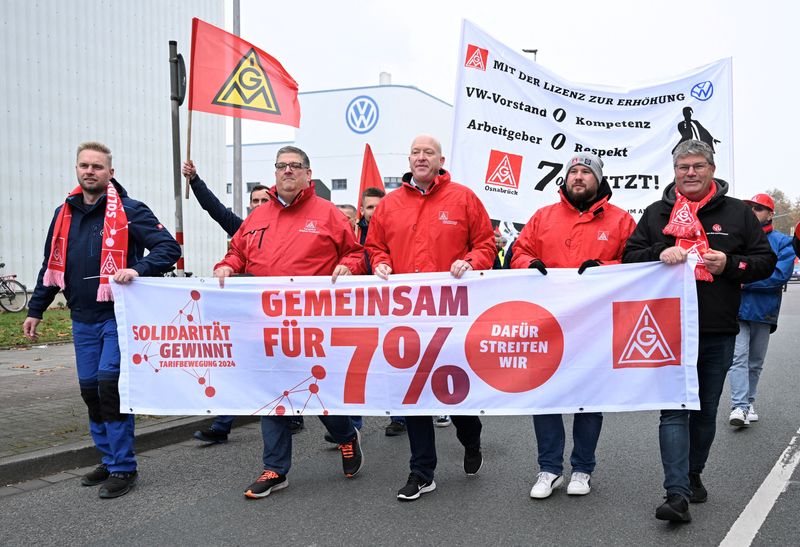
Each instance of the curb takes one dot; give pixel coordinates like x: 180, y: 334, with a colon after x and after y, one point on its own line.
x: 49, y: 461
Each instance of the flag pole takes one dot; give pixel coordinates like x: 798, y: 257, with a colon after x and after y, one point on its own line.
x: 188, y: 146
x: 177, y: 77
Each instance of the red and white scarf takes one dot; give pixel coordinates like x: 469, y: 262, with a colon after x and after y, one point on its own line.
x: 689, y: 232
x: 114, y: 251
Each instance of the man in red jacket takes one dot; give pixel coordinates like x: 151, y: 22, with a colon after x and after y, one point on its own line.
x: 431, y: 224
x: 295, y: 233
x: 581, y: 231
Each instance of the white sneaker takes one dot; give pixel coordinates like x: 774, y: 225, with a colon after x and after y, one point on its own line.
x: 545, y: 484
x: 739, y: 418
x: 579, y: 484
x: 441, y: 421
x: 751, y: 414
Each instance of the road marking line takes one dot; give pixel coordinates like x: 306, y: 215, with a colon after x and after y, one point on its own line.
x: 750, y: 520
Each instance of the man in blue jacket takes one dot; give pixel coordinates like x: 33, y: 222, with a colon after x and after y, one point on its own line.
x: 97, y: 234
x: 758, y: 317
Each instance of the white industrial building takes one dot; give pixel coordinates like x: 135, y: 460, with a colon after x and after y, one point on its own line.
x: 87, y: 70
x: 70, y: 77
x: 334, y: 128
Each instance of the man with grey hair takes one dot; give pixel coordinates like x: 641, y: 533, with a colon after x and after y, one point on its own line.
x: 278, y: 239
x: 695, y: 217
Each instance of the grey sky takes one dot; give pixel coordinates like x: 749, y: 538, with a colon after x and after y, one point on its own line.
x: 624, y: 43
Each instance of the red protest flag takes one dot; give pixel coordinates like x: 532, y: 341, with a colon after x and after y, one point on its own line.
x: 370, y: 176
x: 231, y: 77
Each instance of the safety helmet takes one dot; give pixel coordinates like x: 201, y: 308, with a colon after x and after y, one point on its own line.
x: 762, y: 199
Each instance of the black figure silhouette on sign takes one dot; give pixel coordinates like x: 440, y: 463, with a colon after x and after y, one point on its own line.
x: 693, y: 130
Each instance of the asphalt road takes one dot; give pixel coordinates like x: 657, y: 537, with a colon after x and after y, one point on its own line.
x: 188, y: 495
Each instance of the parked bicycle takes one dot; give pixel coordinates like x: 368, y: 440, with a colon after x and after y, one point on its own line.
x: 13, y: 294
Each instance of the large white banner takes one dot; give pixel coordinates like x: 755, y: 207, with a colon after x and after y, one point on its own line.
x: 506, y: 342
x: 516, y: 124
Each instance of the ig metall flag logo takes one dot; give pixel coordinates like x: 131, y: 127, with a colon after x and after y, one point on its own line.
x: 703, y: 91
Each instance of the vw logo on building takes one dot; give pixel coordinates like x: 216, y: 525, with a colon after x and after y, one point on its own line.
x: 362, y: 114
x: 703, y: 91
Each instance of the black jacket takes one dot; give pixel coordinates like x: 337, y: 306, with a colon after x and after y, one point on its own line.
x: 732, y: 228
x: 83, y: 256
x: 227, y: 219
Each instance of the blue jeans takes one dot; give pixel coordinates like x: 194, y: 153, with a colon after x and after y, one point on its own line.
x: 278, y: 438
x: 686, y: 436
x: 422, y: 440
x: 748, y: 360
x: 97, y: 357
x: 549, y: 429
x: 223, y: 424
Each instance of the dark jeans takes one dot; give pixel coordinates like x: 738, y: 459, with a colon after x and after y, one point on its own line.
x: 550, y: 436
x: 686, y: 436
x: 422, y: 440
x: 278, y: 438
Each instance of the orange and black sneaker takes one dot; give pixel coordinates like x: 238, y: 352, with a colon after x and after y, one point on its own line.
x: 352, y: 457
x: 268, y: 482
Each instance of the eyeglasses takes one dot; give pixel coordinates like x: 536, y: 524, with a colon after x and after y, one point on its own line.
x: 698, y: 167
x: 294, y: 166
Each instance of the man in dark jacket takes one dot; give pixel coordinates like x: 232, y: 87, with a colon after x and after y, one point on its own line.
x: 695, y: 217
x: 758, y: 317
x: 99, y: 232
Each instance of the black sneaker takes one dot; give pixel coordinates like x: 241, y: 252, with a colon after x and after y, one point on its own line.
x: 675, y: 509
x: 211, y: 436
x: 329, y: 438
x: 473, y: 460
x: 395, y: 428
x: 699, y: 492
x: 352, y: 457
x: 96, y: 476
x: 117, y: 484
x: 296, y: 425
x: 415, y: 487
x: 268, y: 482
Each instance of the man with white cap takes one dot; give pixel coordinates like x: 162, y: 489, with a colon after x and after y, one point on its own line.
x: 758, y: 317
x: 581, y: 231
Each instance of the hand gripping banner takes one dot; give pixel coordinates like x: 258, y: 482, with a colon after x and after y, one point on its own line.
x: 616, y: 338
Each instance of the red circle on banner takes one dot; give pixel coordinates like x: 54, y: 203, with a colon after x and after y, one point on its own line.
x: 210, y: 391
x: 137, y: 359
x: 195, y: 295
x: 318, y: 372
x: 280, y: 410
x: 515, y: 346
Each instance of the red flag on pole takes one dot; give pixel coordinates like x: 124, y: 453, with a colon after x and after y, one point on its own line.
x: 232, y: 77
x: 370, y: 176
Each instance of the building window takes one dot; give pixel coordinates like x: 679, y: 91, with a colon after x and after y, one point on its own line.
x: 392, y: 182
x: 229, y: 188
x: 338, y: 184
x: 251, y: 185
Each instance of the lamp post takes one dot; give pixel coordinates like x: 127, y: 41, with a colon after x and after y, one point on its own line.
x: 534, y: 51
